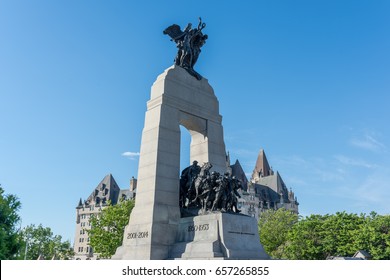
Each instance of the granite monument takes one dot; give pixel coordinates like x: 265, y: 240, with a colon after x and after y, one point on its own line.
x: 192, y: 216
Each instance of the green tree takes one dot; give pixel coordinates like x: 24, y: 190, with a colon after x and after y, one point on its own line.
x: 374, y: 236
x: 341, y: 233
x: 106, y: 233
x: 273, y: 229
x: 41, y: 242
x: 9, y: 221
x: 305, y: 239
x: 320, y: 236
x: 317, y: 237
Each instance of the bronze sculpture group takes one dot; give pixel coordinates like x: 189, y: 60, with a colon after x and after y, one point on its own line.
x: 208, y: 191
x: 200, y: 188
x: 189, y: 41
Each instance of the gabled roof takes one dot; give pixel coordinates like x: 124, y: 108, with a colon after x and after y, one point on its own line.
x: 265, y: 193
x: 239, y: 173
x: 106, y: 190
x: 262, y: 164
x: 276, y: 185
x: 126, y: 194
x: 362, y: 254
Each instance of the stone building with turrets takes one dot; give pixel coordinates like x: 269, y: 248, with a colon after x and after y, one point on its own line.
x: 106, y: 190
x: 265, y: 189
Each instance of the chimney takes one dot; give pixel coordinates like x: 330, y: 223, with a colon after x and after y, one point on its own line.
x: 133, y: 184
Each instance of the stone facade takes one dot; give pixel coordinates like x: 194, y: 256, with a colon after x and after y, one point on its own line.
x: 106, y: 190
x: 218, y: 236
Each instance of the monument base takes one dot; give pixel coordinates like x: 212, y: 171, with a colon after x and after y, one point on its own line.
x: 218, y: 236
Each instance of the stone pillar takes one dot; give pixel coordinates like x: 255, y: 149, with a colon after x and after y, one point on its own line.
x: 176, y: 98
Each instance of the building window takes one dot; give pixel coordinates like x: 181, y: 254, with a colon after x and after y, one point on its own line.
x: 87, y: 249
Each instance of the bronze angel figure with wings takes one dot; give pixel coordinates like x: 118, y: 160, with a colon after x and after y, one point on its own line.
x: 189, y: 41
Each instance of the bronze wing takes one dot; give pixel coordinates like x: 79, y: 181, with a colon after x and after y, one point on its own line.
x: 174, y: 32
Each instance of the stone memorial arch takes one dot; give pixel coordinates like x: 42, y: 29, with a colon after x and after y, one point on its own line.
x: 177, y: 98
x: 156, y: 230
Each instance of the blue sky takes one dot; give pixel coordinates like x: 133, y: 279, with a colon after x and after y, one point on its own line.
x: 308, y: 81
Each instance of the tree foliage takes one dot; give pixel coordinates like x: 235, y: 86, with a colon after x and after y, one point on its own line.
x: 9, y: 221
x: 273, y: 228
x: 41, y: 242
x: 374, y: 236
x: 106, y: 233
x: 317, y: 237
x: 304, y: 240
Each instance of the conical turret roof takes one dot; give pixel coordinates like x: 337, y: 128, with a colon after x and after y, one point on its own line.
x: 262, y: 164
x: 80, y: 205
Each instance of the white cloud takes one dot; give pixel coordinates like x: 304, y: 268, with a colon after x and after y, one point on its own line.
x: 314, y: 169
x: 368, y: 143
x: 373, y: 190
x: 353, y: 161
x: 131, y: 155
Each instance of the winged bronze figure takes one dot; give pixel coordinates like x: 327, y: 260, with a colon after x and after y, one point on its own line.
x: 189, y: 41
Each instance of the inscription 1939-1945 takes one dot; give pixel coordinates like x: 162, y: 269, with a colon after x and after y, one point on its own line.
x: 198, y: 227
x: 142, y: 234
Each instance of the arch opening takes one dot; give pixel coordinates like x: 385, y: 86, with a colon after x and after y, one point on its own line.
x: 185, y: 141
